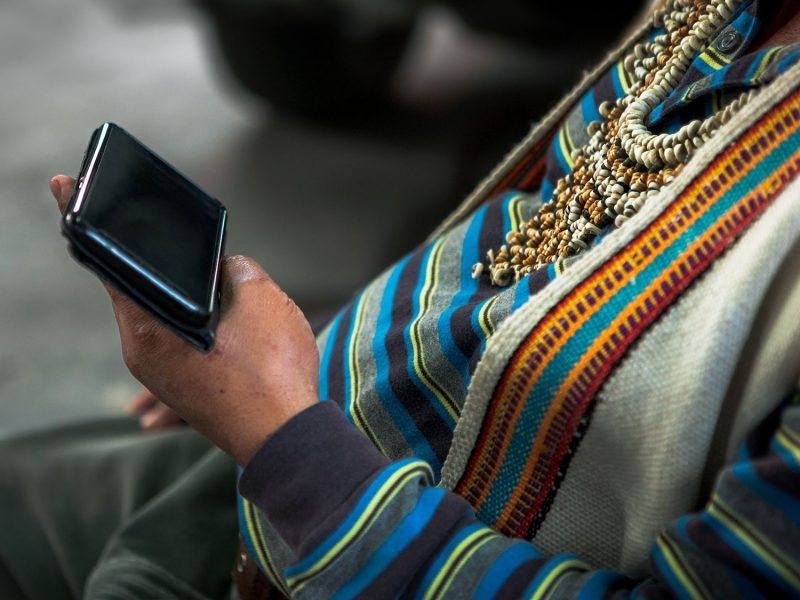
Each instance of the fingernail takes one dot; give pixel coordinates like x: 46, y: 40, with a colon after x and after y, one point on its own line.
x: 55, y: 184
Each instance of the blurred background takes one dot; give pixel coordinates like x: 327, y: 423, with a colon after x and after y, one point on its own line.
x: 337, y: 132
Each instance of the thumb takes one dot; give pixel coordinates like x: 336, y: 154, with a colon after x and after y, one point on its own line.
x: 236, y: 270
x: 62, y: 186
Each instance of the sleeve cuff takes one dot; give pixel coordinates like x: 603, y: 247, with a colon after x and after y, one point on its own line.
x: 308, y: 468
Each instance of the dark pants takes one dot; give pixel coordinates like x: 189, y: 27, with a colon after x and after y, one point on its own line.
x: 100, y: 510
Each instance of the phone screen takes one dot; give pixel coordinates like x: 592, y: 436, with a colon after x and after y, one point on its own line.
x: 154, y: 215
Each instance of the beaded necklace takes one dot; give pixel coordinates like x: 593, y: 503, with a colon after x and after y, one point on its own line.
x: 623, y: 163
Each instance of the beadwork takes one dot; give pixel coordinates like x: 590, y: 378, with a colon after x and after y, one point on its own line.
x: 623, y: 163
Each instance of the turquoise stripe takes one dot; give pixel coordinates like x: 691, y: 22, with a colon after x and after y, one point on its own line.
x: 543, y: 573
x: 547, y: 190
x: 545, y: 389
x: 748, y: 556
x: 411, y: 355
x: 325, y: 361
x: 742, y: 583
x: 589, y: 108
x: 470, y: 254
x: 786, y: 456
x: 406, y: 531
x: 781, y: 501
x: 476, y: 311
x: 348, y: 384
x: 503, y: 567
x: 599, y: 584
x: 443, y: 556
x: 307, y: 563
x: 244, y: 529
x: 405, y: 424
x: 562, y: 160
x: 664, y: 568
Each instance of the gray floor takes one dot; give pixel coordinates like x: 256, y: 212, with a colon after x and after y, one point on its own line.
x: 303, y: 201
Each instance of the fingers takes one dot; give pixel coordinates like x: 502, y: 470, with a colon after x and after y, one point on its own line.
x: 62, y: 186
x: 160, y: 416
x: 143, y: 401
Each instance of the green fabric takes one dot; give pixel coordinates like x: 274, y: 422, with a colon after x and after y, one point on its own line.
x: 100, y: 510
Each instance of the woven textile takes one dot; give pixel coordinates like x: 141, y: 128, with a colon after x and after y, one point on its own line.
x: 519, y: 372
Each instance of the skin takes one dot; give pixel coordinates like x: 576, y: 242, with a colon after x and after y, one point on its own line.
x: 262, y: 371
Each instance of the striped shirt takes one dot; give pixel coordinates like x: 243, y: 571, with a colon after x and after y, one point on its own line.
x: 366, y: 520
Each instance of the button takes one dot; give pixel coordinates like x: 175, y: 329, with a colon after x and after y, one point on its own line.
x: 729, y: 41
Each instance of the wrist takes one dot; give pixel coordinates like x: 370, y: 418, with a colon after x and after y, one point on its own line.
x: 251, y: 429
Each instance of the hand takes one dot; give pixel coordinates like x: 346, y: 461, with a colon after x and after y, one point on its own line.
x: 154, y: 414
x: 263, y: 369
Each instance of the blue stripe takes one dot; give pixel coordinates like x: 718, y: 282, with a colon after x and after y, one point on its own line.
x: 348, y: 384
x: 366, y: 497
x: 589, y: 108
x: 411, y: 355
x: 675, y: 586
x: 786, y: 456
x: 785, y: 503
x: 503, y: 567
x: 406, y: 532
x: 543, y: 573
x: 476, y: 311
x: 748, y: 556
x: 325, y: 361
x: 562, y: 160
x: 547, y: 190
x: 444, y: 556
x: 470, y: 254
x: 599, y: 584
x: 415, y: 438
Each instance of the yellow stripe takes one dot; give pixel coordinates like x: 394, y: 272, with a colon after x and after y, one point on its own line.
x: 485, y: 320
x: 713, y: 60
x: 785, y: 439
x: 515, y: 212
x: 542, y: 590
x: 420, y: 368
x: 263, y: 558
x: 562, y: 144
x: 623, y: 79
x: 355, y: 371
x: 456, y: 557
x: 757, y: 543
x: 685, y: 578
x: 765, y: 62
x: 380, y: 498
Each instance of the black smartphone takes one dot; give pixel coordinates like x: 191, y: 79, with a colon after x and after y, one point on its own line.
x: 149, y: 232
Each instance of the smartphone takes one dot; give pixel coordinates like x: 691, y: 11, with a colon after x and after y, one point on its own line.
x: 149, y: 232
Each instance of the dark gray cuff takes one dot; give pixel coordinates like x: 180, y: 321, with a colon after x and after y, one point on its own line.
x: 307, y: 469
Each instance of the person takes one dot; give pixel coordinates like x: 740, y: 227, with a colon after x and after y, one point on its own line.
x: 582, y: 387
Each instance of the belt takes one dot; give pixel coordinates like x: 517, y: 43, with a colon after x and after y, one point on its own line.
x: 250, y: 582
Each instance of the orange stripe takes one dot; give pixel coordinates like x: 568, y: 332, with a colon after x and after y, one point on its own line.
x: 556, y: 418
x: 558, y: 327
x: 533, y: 155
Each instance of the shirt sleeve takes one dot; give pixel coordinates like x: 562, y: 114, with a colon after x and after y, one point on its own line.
x: 359, y: 525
